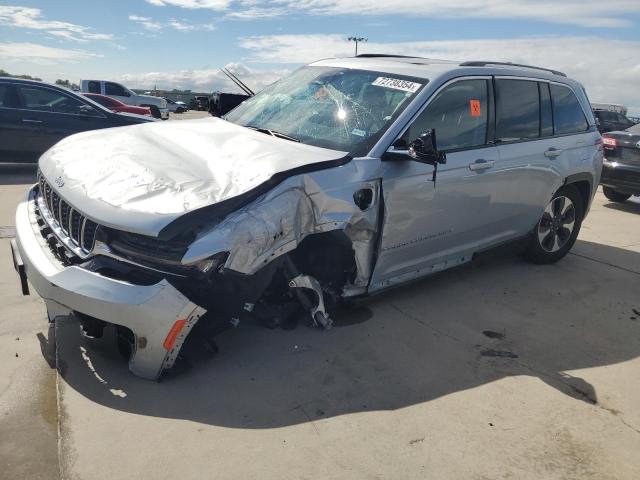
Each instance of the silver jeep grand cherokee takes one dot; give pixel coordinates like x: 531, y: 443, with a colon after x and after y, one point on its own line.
x: 346, y: 177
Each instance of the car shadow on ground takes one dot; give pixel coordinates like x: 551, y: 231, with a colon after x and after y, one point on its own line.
x: 493, y: 318
x: 630, y: 206
x: 18, y: 173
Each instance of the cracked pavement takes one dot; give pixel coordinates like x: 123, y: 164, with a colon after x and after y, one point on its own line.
x: 498, y: 369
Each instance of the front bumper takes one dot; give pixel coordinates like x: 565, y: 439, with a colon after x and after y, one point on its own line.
x: 164, y: 113
x: 621, y: 177
x: 159, y: 316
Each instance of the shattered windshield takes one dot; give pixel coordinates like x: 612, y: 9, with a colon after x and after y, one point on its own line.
x: 337, y: 108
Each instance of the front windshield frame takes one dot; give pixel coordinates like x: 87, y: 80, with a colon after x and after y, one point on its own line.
x: 355, y: 147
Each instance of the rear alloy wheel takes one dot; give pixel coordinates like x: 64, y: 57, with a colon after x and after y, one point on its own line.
x: 614, y: 196
x: 557, y: 229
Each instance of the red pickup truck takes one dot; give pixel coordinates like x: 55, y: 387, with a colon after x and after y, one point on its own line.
x: 117, y: 105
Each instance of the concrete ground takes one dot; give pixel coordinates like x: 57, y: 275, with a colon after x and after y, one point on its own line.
x: 496, y: 370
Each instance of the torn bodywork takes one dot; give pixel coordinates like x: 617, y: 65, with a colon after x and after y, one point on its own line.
x: 297, y: 243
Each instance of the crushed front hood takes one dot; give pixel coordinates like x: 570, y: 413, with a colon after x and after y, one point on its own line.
x: 141, y: 178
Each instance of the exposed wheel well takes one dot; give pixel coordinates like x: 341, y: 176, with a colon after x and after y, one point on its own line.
x: 584, y: 188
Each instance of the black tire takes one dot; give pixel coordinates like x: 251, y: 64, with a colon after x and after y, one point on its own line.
x: 155, y: 111
x: 557, y: 230
x: 614, y: 196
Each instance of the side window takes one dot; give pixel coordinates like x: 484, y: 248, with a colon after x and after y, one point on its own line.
x: 94, y: 87
x: 546, y: 115
x: 568, y: 116
x: 46, y: 100
x: 517, y: 110
x: 114, y: 89
x: 8, y: 97
x: 458, y: 114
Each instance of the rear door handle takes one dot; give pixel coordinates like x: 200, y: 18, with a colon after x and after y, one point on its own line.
x: 31, y: 120
x: 552, y: 153
x: 481, y: 164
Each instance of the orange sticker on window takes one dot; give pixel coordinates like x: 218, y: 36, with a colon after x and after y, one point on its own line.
x: 474, y: 108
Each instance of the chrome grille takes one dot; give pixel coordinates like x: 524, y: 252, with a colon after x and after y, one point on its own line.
x: 75, y: 231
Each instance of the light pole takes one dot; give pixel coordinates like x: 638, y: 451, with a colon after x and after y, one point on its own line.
x: 357, y: 40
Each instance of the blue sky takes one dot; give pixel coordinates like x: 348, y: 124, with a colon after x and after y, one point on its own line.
x: 182, y: 43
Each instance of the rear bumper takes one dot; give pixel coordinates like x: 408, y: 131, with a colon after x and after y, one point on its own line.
x: 150, y: 311
x: 622, y: 178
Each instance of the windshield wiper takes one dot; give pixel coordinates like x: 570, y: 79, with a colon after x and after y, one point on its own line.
x: 273, y: 133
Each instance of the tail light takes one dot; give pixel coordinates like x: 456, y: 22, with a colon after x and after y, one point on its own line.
x: 609, y: 142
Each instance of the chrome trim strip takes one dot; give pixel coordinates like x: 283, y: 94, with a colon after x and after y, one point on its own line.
x: 57, y: 231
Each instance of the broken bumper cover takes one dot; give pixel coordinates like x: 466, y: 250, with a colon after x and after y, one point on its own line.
x: 159, y: 316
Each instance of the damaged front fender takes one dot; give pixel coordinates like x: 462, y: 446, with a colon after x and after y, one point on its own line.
x: 277, y: 222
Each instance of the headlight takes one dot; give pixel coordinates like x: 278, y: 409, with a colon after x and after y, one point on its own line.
x: 213, y: 263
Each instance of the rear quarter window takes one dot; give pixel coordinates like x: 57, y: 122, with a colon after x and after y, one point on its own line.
x: 568, y: 116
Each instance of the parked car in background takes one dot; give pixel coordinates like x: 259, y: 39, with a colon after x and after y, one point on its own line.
x: 201, y: 103
x: 157, y: 105
x: 116, y: 105
x: 609, y: 121
x: 621, y: 169
x: 347, y: 177
x: 175, y: 107
x: 184, y: 105
x: 222, y: 103
x: 36, y: 115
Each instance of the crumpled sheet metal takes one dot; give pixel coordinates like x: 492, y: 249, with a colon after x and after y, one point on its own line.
x: 172, y: 167
x: 278, y: 221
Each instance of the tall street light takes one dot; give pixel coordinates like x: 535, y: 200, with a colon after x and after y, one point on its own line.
x: 357, y: 40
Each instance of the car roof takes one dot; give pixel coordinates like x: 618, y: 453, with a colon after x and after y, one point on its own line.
x: 28, y: 82
x: 429, y: 68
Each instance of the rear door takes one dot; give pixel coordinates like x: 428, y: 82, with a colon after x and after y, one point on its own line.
x: 524, y: 135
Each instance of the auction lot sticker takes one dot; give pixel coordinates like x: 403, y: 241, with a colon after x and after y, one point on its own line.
x: 397, y: 84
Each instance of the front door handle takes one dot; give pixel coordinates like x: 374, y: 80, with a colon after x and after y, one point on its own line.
x: 31, y: 120
x: 552, y: 153
x: 481, y: 164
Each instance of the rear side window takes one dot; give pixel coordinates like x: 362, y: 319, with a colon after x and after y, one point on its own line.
x: 568, y: 116
x: 458, y: 114
x: 114, y: 89
x: 517, y: 110
x: 94, y: 87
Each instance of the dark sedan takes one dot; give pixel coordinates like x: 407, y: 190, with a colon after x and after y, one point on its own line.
x: 35, y: 115
x: 621, y: 168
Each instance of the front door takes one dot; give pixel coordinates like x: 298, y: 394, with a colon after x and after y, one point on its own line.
x: 52, y: 115
x: 431, y: 225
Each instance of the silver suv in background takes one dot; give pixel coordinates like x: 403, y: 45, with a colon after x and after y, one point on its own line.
x: 345, y: 178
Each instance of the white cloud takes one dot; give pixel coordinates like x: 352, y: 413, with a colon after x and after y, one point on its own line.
x: 181, y: 25
x: 584, y: 13
x: 42, y: 54
x: 192, y: 4
x: 184, y: 26
x: 31, y: 18
x: 146, y: 23
x: 207, y: 80
x: 609, y: 69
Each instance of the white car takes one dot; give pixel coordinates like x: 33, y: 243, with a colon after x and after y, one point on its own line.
x: 115, y: 90
x: 176, y: 107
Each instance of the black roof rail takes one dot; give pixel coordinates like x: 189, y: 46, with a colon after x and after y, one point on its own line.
x: 509, y: 64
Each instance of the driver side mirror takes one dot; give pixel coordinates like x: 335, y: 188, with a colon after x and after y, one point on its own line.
x: 424, y: 149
